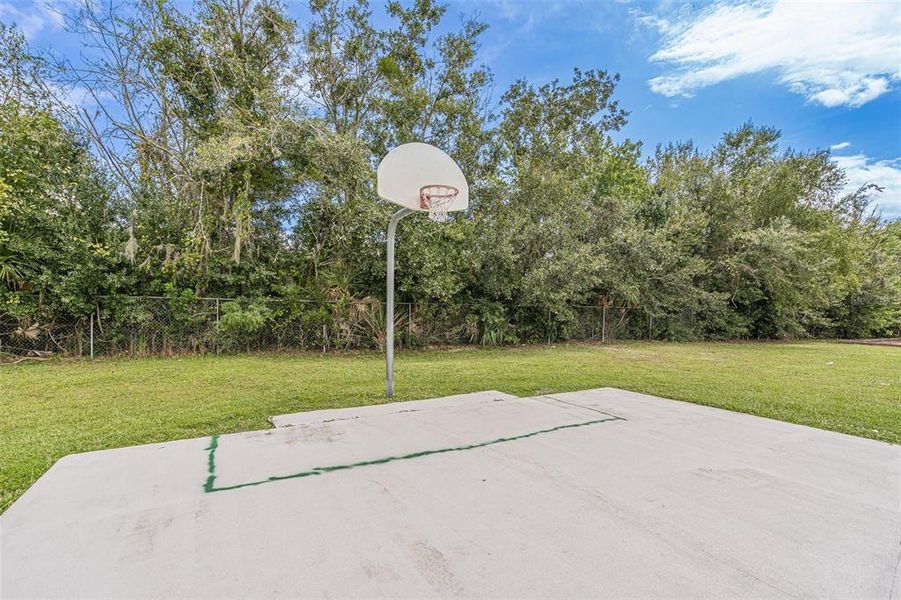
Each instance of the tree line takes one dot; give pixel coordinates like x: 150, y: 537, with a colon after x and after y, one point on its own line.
x: 228, y: 150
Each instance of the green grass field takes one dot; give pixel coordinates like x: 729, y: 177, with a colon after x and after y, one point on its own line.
x: 54, y: 409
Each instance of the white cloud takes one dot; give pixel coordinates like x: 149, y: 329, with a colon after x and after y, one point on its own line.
x: 76, y: 96
x: 862, y: 170
x: 833, y: 53
x: 521, y: 19
x: 840, y: 146
x: 32, y: 16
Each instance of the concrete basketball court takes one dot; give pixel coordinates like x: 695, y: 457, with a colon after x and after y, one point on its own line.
x: 601, y: 493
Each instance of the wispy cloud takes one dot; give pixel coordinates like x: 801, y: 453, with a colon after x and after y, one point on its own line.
x: 520, y: 19
x: 31, y: 16
x: 862, y: 170
x: 78, y: 97
x: 840, y: 146
x: 833, y: 53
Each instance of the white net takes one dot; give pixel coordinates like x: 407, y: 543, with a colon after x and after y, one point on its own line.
x: 437, y: 199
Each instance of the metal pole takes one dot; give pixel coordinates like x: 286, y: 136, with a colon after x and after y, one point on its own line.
x: 389, y: 302
x: 92, y: 334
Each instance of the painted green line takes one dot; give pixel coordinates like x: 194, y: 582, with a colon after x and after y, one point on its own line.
x: 211, y: 464
x: 214, y: 442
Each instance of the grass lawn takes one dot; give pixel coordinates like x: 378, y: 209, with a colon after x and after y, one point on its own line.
x: 54, y: 409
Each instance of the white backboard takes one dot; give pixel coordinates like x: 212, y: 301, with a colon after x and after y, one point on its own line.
x: 409, y: 167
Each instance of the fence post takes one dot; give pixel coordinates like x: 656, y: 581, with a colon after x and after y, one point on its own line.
x: 324, y: 333
x: 217, y: 325
x: 650, y: 325
x: 604, y: 325
x: 92, y: 334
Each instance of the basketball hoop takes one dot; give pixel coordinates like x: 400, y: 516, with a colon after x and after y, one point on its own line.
x: 405, y: 177
x: 437, y: 198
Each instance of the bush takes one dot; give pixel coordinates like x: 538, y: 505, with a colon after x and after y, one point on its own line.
x: 241, y: 322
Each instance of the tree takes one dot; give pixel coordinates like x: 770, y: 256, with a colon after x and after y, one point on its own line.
x: 56, y: 216
x: 372, y: 89
x: 227, y: 150
x: 207, y: 138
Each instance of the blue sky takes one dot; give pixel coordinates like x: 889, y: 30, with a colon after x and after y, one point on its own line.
x: 828, y: 75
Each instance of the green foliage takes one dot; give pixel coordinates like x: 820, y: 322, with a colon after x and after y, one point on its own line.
x: 774, y: 237
x: 241, y: 320
x: 242, y: 166
x: 494, y: 327
x: 56, y: 218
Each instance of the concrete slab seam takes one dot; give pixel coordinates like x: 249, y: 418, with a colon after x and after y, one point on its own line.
x: 209, y: 485
x: 891, y: 592
x: 576, y: 404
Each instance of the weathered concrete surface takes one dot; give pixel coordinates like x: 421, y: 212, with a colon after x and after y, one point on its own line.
x: 458, y: 402
x: 483, y: 496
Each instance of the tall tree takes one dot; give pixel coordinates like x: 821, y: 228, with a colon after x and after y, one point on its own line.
x: 196, y: 118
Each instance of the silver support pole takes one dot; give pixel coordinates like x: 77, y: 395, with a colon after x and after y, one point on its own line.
x: 389, y: 301
x: 92, y: 334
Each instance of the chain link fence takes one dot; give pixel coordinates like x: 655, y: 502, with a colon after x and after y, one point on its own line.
x: 164, y: 326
